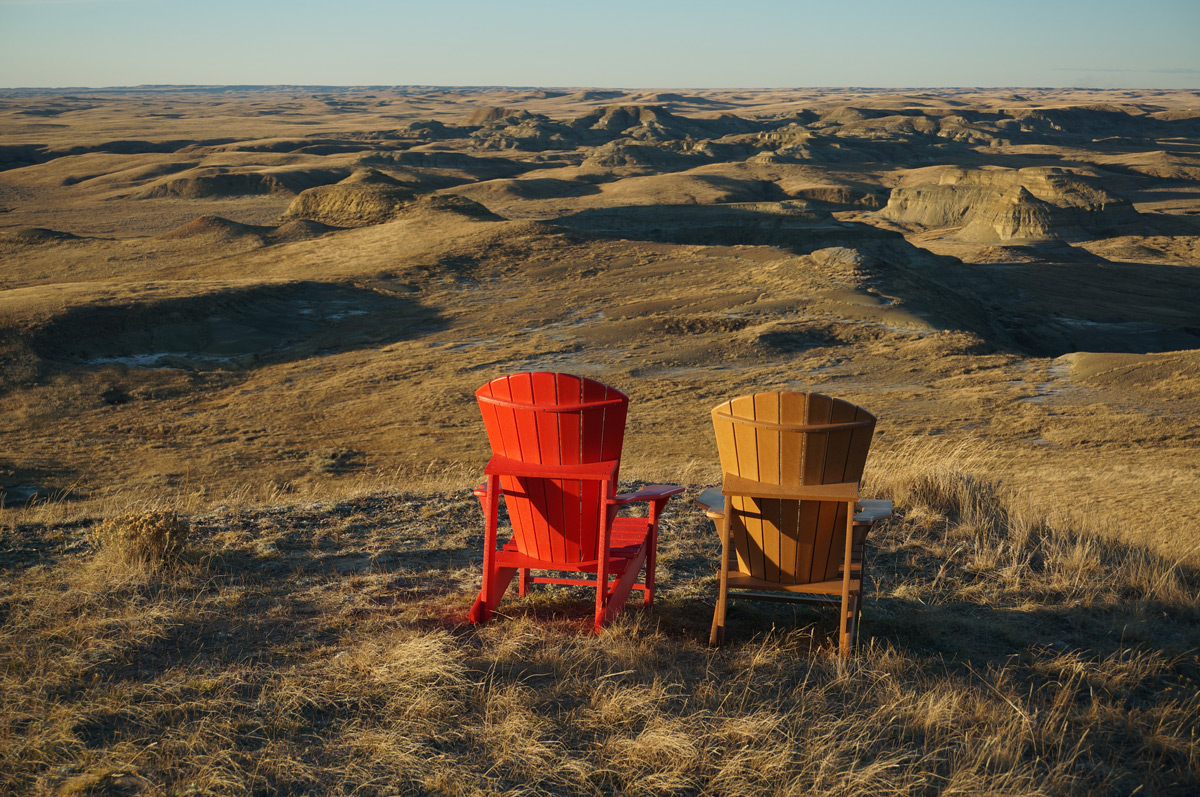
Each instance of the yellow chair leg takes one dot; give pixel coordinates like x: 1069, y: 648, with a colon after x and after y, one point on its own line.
x: 717, y: 637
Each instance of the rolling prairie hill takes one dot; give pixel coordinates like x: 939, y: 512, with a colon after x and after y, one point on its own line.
x: 298, y: 290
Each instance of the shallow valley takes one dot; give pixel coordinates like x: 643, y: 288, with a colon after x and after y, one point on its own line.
x: 272, y: 291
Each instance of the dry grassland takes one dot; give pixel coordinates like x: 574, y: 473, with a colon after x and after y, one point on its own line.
x: 266, y: 310
x: 321, y: 648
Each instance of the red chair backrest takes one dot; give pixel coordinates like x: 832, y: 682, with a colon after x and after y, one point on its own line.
x: 553, y: 419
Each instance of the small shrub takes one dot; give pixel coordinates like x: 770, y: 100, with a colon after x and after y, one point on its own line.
x: 332, y: 461
x: 147, y: 537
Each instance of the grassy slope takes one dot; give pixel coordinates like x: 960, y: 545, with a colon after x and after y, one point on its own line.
x: 321, y: 648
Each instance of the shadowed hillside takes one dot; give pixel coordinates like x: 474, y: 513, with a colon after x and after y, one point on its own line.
x: 209, y: 298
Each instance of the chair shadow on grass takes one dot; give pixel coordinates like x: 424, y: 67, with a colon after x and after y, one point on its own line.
x: 973, y: 633
x: 428, y: 579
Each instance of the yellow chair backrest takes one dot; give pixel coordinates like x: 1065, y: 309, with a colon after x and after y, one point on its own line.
x: 791, y: 439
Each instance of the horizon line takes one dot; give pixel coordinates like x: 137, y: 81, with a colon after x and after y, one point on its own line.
x: 493, y: 87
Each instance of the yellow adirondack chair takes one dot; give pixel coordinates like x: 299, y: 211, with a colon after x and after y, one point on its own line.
x: 791, y: 522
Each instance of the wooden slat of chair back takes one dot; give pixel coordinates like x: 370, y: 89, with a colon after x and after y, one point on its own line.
x: 791, y: 439
x: 553, y: 419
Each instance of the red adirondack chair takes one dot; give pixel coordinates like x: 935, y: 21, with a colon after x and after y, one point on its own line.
x: 556, y: 451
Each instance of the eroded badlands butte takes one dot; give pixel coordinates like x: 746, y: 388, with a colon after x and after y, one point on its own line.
x: 211, y: 289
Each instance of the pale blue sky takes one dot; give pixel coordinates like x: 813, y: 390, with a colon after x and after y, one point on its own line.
x: 615, y: 43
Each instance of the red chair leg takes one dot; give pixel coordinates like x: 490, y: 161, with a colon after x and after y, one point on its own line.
x: 602, y: 600
x: 651, y: 562
x: 494, y: 586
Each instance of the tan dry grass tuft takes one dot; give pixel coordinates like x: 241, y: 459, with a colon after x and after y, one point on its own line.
x: 147, y: 539
x: 977, y: 528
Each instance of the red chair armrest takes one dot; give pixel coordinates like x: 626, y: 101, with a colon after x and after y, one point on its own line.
x: 654, y: 492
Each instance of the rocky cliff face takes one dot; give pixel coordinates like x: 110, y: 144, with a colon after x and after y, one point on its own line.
x: 1011, y: 205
